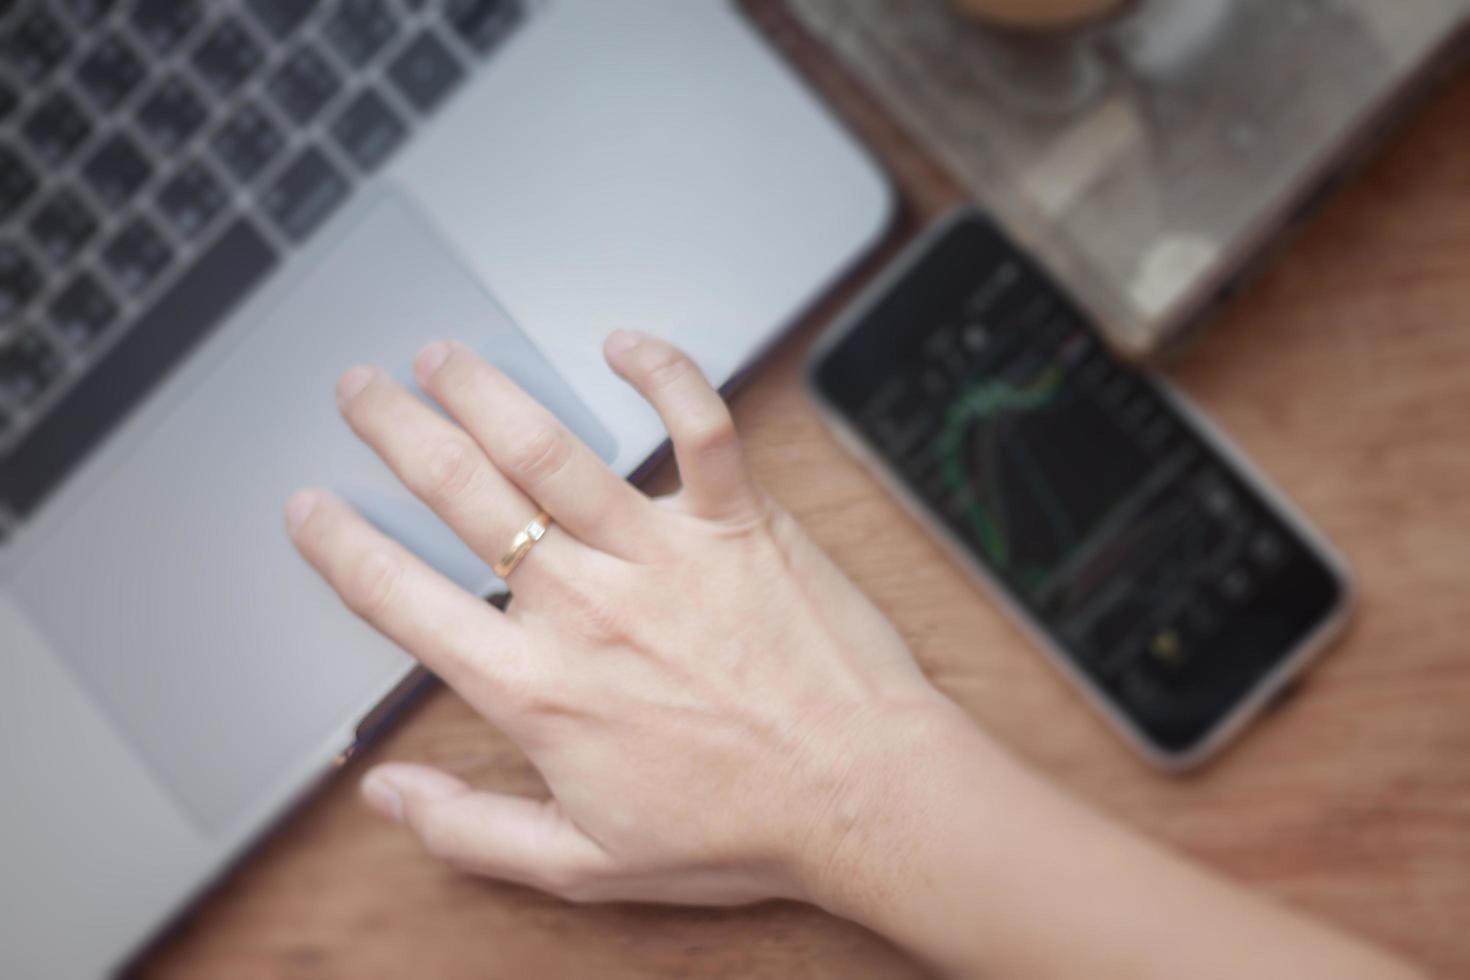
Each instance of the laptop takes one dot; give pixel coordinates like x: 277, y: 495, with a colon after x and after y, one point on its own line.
x: 210, y: 209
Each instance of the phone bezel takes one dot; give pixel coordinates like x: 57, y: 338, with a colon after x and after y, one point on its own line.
x: 1271, y: 683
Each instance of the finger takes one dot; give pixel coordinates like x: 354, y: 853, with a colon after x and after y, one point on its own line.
x: 466, y: 641
x: 711, y: 464
x: 448, y: 470
x: 513, y: 838
x: 531, y: 447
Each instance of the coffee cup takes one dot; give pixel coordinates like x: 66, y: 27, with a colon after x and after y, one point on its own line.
x: 1038, y: 15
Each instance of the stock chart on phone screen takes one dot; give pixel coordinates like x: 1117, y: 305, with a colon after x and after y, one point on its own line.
x: 1074, y: 481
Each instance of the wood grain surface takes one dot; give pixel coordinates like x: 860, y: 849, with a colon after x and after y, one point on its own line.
x: 1345, y: 372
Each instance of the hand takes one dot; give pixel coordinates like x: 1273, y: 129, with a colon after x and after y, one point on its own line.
x: 720, y: 715
x: 710, y: 701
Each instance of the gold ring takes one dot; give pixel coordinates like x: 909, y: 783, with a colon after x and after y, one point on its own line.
x: 521, y: 544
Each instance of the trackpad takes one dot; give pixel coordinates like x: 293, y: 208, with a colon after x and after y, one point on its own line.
x: 172, y: 590
x: 446, y: 302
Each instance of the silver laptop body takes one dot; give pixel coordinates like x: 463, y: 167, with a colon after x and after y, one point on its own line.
x: 173, y: 677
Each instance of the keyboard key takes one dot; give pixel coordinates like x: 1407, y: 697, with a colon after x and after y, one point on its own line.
x: 368, y: 130
x: 28, y: 365
x: 359, y: 29
x: 186, y: 312
x: 88, y: 12
x: 62, y: 226
x: 281, y: 17
x: 482, y: 23
x: 302, y: 196
x: 303, y: 85
x: 136, y: 256
x: 165, y: 23
x: 19, y: 281
x: 56, y: 128
x: 117, y: 171
x: 247, y: 142
x: 17, y: 182
x: 172, y: 114
x: 83, y: 311
x: 228, y: 56
x: 110, y: 72
x: 425, y: 72
x: 35, y: 45
x: 192, y: 199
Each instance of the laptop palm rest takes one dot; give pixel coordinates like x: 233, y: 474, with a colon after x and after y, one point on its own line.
x: 172, y: 591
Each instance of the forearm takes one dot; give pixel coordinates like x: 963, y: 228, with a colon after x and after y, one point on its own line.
x: 983, y: 869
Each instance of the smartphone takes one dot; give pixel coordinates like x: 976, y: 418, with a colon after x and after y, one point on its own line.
x: 1141, y: 551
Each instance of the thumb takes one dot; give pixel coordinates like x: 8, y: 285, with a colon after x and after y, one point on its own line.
x: 514, y: 838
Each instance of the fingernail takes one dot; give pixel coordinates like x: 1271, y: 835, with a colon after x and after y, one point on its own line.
x: 622, y: 341
x: 430, y: 360
x: 299, y: 508
x: 382, y: 797
x: 350, y: 385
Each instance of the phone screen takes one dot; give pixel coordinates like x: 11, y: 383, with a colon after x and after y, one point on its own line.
x: 1168, y: 578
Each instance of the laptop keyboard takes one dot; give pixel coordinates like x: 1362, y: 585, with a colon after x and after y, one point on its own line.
x: 158, y: 158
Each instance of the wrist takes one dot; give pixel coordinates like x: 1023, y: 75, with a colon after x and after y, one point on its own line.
x: 917, y: 769
x: 952, y: 849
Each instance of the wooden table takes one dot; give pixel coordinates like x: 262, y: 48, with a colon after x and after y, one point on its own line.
x: 1346, y: 373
